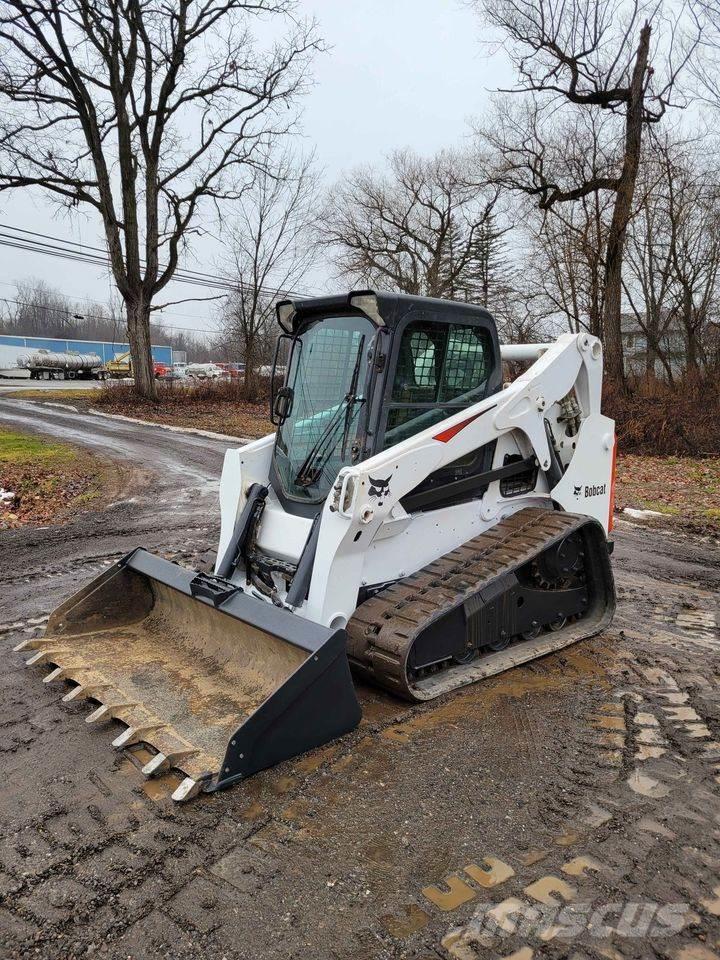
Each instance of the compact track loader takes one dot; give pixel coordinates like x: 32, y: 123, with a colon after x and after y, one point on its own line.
x: 413, y: 521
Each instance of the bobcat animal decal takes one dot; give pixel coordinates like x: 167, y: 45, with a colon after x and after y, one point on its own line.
x: 379, y: 488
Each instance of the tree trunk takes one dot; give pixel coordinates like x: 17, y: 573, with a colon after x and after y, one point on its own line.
x: 649, y: 359
x: 138, y: 320
x: 249, y: 379
x: 622, y: 209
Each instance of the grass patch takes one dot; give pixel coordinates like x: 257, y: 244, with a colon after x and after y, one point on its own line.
x: 54, y: 396
x: 46, y: 479
x: 660, y: 507
x: 21, y: 449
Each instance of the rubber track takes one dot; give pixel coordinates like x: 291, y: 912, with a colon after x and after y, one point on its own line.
x: 383, y: 629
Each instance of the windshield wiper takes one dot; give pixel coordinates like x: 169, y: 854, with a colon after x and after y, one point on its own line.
x: 314, y: 462
x: 352, y: 399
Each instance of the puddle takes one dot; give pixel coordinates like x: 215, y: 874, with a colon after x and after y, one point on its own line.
x: 457, y: 893
x: 650, y: 736
x: 649, y: 753
x: 313, y: 761
x: 646, y: 720
x: 681, y: 713
x: 609, y: 723
x: 409, y: 921
x: 533, y: 856
x: 646, y: 786
x: 282, y: 784
x: 161, y: 788
x: 567, y: 838
x: 253, y: 812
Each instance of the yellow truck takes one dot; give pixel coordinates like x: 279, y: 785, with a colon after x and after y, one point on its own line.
x: 121, y: 366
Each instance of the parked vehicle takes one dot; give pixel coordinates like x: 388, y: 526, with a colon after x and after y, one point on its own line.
x: 232, y: 370
x: 204, y: 371
x: 121, y: 366
x: 49, y: 365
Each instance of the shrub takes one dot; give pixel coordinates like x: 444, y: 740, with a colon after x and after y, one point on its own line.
x: 656, y: 418
x: 173, y: 393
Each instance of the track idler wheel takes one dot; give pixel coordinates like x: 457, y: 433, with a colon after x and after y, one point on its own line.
x: 502, y: 643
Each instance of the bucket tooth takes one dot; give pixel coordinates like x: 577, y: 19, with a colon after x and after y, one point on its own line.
x: 107, y: 711
x: 32, y: 643
x: 158, y: 764
x: 67, y: 671
x: 42, y: 655
x: 162, y: 762
x: 85, y: 691
x: 133, y: 735
x: 188, y: 789
x: 56, y: 674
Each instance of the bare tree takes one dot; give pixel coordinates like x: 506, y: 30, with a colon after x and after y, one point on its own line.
x: 422, y: 227
x: 673, y: 256
x: 588, y: 55
x: 648, y: 281
x: 706, y: 66
x: 565, y: 260
x: 272, y: 246
x: 694, y: 214
x: 143, y: 110
x: 38, y: 310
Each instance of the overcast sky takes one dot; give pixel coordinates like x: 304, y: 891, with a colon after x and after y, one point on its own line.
x: 399, y: 73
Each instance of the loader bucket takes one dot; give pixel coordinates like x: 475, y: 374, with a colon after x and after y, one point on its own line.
x: 220, y: 683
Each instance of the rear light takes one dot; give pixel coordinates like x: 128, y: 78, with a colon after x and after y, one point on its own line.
x: 611, y: 511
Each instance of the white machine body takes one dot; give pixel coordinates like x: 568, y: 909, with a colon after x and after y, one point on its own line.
x: 366, y: 536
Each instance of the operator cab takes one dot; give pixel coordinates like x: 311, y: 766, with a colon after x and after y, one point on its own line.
x: 366, y: 371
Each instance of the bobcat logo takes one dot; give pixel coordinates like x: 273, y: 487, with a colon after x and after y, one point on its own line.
x: 591, y: 490
x: 379, y: 488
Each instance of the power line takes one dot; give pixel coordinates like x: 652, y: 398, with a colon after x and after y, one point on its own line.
x: 100, y: 254
x: 32, y: 246
x: 99, y: 257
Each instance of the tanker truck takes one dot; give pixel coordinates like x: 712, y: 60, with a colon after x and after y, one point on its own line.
x: 48, y: 365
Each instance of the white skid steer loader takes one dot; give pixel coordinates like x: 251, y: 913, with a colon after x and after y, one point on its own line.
x: 412, y: 520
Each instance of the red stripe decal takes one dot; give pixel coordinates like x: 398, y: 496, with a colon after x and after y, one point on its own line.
x: 451, y: 432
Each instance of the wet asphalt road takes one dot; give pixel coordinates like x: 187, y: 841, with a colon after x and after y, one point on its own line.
x: 588, y: 778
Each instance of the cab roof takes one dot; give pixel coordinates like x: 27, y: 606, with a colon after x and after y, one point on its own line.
x: 387, y: 309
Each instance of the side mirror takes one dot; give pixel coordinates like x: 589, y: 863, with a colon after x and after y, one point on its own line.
x: 283, y: 404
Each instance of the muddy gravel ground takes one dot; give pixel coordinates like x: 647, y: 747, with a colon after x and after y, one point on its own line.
x: 570, y: 808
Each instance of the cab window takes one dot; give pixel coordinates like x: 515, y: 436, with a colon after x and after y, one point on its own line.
x: 441, y: 368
